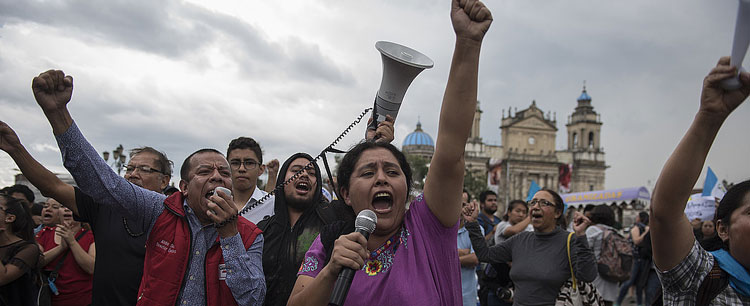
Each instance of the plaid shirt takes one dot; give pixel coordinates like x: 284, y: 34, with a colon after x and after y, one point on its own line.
x: 681, y: 283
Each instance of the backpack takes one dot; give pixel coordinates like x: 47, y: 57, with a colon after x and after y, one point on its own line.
x: 616, y: 257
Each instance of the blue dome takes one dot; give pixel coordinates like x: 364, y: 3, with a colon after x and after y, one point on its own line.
x: 418, y: 138
x: 584, y: 96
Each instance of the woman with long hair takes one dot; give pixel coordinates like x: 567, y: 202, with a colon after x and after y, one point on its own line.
x: 410, y: 258
x: 682, y: 263
x: 19, y: 253
x: 540, y: 260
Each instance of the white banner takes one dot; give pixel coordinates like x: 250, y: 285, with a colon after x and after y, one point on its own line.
x: 700, y: 207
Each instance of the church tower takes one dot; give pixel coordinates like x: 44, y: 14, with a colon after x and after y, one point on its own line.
x: 584, y: 142
x: 474, y: 136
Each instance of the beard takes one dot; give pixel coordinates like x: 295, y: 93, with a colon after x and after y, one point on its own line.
x: 490, y: 210
x: 298, y: 203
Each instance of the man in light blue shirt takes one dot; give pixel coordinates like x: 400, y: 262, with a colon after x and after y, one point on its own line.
x: 468, y: 261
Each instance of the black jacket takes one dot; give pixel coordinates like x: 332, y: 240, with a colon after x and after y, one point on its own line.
x: 285, y: 246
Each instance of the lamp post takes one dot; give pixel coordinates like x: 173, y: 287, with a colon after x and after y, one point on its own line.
x: 118, y: 158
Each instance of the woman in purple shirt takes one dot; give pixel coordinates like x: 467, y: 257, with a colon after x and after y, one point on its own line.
x: 410, y: 258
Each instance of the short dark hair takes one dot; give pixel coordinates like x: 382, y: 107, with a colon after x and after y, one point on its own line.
x: 22, y: 189
x: 36, y: 208
x: 588, y: 207
x: 484, y: 194
x: 185, y: 169
x: 644, y: 217
x: 162, y: 161
x: 730, y: 202
x: 603, y: 214
x: 346, y: 167
x: 513, y: 204
x: 468, y: 195
x: 246, y: 143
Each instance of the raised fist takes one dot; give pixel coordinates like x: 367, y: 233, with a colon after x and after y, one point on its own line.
x: 52, y: 90
x: 471, y: 19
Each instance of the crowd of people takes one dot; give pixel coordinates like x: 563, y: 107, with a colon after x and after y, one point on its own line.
x: 219, y: 239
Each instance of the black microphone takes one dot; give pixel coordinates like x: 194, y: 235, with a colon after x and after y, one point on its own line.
x: 365, y: 224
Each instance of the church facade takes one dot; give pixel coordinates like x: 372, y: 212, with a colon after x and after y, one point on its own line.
x: 527, y: 152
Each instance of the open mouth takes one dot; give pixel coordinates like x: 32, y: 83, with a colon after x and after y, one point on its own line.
x: 536, y: 215
x: 302, y: 186
x: 382, y: 202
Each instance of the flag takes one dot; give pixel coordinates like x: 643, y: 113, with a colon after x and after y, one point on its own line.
x: 532, y: 190
x: 712, y: 187
x: 565, y: 173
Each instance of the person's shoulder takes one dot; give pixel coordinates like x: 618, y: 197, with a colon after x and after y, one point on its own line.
x: 259, y: 193
x: 594, y: 230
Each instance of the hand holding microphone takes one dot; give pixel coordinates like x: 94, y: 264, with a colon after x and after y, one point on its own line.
x: 220, y: 209
x: 349, y: 254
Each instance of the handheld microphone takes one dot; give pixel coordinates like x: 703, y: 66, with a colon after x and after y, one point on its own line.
x: 223, y: 190
x: 365, y: 224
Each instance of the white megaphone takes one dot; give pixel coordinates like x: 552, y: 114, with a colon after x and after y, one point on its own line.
x: 401, y: 65
x: 740, y: 44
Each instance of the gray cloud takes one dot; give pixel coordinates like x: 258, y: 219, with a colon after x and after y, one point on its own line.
x: 175, y: 30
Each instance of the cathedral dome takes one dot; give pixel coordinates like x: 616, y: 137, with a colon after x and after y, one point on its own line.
x: 584, y: 95
x: 419, y: 143
x: 418, y: 138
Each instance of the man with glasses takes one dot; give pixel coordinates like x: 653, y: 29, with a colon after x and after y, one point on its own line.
x: 120, y: 241
x: 197, y: 250
x: 246, y: 161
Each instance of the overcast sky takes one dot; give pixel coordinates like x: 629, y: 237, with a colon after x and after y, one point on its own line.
x: 293, y: 74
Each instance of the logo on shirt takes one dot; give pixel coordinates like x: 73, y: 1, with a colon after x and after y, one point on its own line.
x: 222, y: 272
x: 166, y: 246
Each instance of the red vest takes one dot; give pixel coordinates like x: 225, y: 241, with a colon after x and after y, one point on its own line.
x: 167, y: 256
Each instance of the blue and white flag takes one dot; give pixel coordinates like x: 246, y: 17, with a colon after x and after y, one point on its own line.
x: 532, y: 190
x: 712, y: 187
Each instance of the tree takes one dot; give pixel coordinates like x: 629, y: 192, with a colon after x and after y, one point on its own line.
x: 474, y: 183
x: 418, y: 171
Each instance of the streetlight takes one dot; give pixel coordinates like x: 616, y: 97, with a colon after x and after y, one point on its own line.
x: 119, y: 158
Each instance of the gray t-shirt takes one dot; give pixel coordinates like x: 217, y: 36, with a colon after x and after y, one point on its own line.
x: 500, y: 231
x: 540, y: 262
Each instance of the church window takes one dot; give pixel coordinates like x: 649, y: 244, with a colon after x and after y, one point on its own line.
x: 591, y: 139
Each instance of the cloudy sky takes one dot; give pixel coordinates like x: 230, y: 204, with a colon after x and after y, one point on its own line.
x: 182, y: 75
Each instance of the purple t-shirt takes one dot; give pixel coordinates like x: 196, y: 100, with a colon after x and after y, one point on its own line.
x: 417, y: 266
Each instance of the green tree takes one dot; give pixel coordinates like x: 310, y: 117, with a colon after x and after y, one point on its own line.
x: 419, y: 168
x: 474, y: 182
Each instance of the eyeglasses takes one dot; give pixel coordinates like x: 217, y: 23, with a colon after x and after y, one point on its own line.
x: 542, y: 202
x: 146, y: 169
x: 249, y: 164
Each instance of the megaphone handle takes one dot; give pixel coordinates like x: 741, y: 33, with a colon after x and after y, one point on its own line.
x: 374, y: 123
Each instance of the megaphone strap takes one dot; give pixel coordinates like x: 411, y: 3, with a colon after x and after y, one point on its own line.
x: 298, y: 173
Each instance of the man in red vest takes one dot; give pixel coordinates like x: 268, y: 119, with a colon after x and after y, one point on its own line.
x: 198, y: 251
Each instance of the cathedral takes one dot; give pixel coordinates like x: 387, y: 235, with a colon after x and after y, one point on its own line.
x: 528, y: 153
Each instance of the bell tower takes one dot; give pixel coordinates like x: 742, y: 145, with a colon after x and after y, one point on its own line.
x: 584, y: 126
x: 584, y: 144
